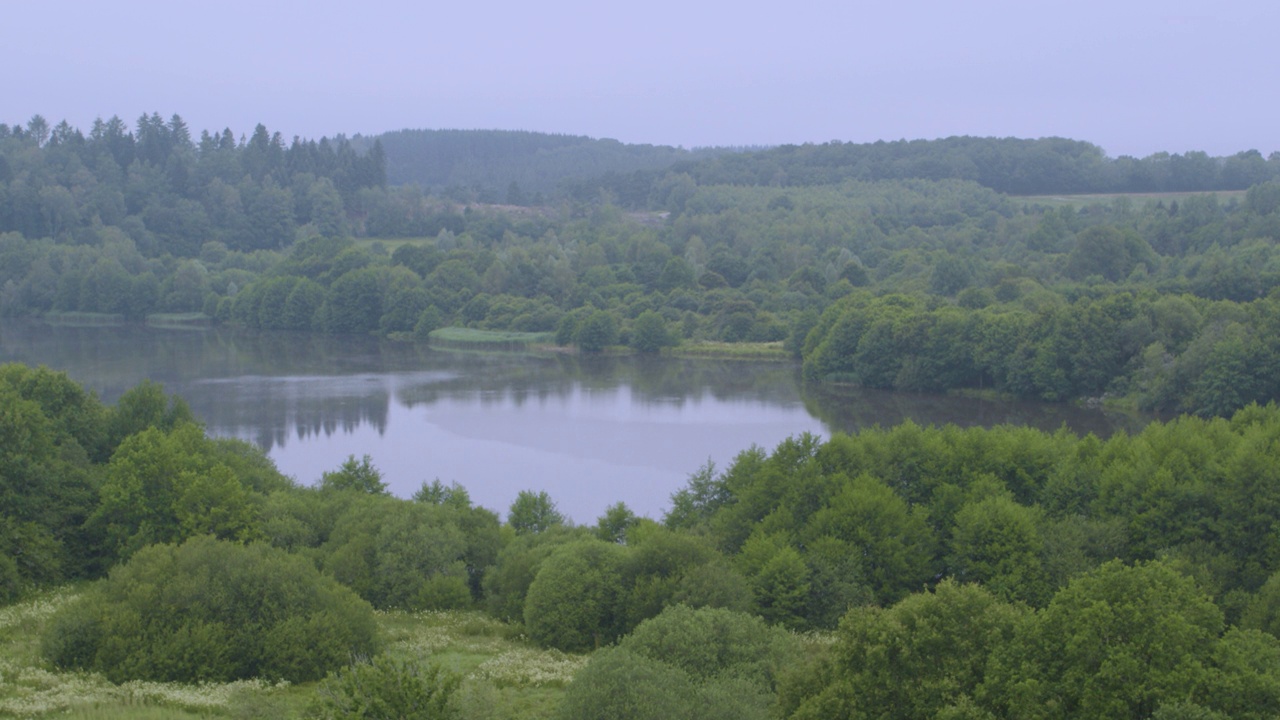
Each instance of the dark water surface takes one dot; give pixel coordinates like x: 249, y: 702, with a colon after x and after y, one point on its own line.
x: 589, y: 431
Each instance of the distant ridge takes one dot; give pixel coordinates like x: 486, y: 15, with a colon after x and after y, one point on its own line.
x: 490, y: 161
x: 1016, y: 166
x: 522, y: 168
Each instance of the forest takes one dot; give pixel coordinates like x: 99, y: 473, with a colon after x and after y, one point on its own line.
x: 149, y: 569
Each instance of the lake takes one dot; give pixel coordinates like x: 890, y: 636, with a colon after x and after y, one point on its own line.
x: 589, y: 431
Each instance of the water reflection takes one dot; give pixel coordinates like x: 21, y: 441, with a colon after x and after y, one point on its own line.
x: 591, y: 431
x: 849, y: 409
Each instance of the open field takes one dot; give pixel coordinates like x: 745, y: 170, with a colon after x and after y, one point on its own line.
x: 472, y: 339
x: 179, y: 320
x: 391, y: 244
x: 1138, y: 199
x: 85, y: 319
x: 729, y: 351
x: 503, y: 674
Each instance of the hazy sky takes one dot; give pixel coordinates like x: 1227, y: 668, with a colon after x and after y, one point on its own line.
x: 1134, y: 76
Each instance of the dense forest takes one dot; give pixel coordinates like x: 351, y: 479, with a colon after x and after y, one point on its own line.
x: 904, y: 572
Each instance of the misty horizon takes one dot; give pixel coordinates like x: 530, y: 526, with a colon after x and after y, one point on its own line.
x: 1135, y: 79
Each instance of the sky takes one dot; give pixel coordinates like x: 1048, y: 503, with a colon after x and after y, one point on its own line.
x: 1132, y: 76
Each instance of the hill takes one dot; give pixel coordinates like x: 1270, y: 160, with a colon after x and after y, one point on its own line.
x: 514, y: 166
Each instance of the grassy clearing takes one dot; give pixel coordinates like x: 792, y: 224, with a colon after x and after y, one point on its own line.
x: 391, y: 244
x: 983, y: 394
x: 731, y: 351
x: 472, y: 339
x: 1138, y: 199
x: 179, y: 320
x: 503, y: 675
x: 29, y: 688
x: 86, y: 319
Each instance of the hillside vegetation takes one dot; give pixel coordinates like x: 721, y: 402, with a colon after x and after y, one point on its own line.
x: 1002, y: 552
x: 905, y: 572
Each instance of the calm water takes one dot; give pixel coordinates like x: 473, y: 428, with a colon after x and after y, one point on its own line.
x: 591, y: 432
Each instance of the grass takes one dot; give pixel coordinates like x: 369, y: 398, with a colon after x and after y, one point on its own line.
x: 29, y: 688
x: 87, y: 319
x: 472, y: 339
x: 1138, y: 198
x: 983, y: 394
x: 179, y: 320
x: 392, y: 244
x: 731, y: 351
x: 503, y: 674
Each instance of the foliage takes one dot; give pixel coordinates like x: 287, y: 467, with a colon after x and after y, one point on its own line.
x: 685, y: 663
x: 662, y: 568
x: 408, y: 555
x: 383, y: 689
x: 83, y: 484
x: 1118, y: 641
x: 708, y: 643
x: 574, y: 601
x: 506, y: 585
x: 45, y: 490
x: 615, y: 523
x: 649, y: 333
x: 167, y: 486
x: 1012, y: 165
x: 620, y: 684
x: 693, y: 505
x: 146, y: 406
x: 923, y: 657
x: 997, y: 542
x: 211, y: 610
x: 597, y: 331
x: 533, y: 512
x: 355, y: 475
x: 502, y: 675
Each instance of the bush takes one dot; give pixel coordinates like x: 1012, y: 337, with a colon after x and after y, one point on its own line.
x: 649, y: 333
x: 388, y: 689
x: 621, y: 685
x: 596, y: 332
x: 685, y: 663
x: 400, y: 554
x: 210, y: 610
x: 574, y: 601
x: 714, y: 642
x: 507, y: 584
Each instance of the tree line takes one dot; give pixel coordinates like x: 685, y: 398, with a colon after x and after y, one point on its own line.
x: 1009, y: 165
x: 171, y: 192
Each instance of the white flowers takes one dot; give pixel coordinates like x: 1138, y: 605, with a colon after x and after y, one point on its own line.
x: 37, y: 610
x: 39, y: 691
x: 530, y: 668
x: 511, y: 662
x: 483, y: 650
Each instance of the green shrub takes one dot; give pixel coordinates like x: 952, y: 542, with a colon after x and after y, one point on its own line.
x: 384, y: 688
x: 210, y: 610
x: 400, y: 554
x: 622, y: 685
x: 507, y: 584
x: 713, y: 642
x: 685, y: 663
x: 574, y: 601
